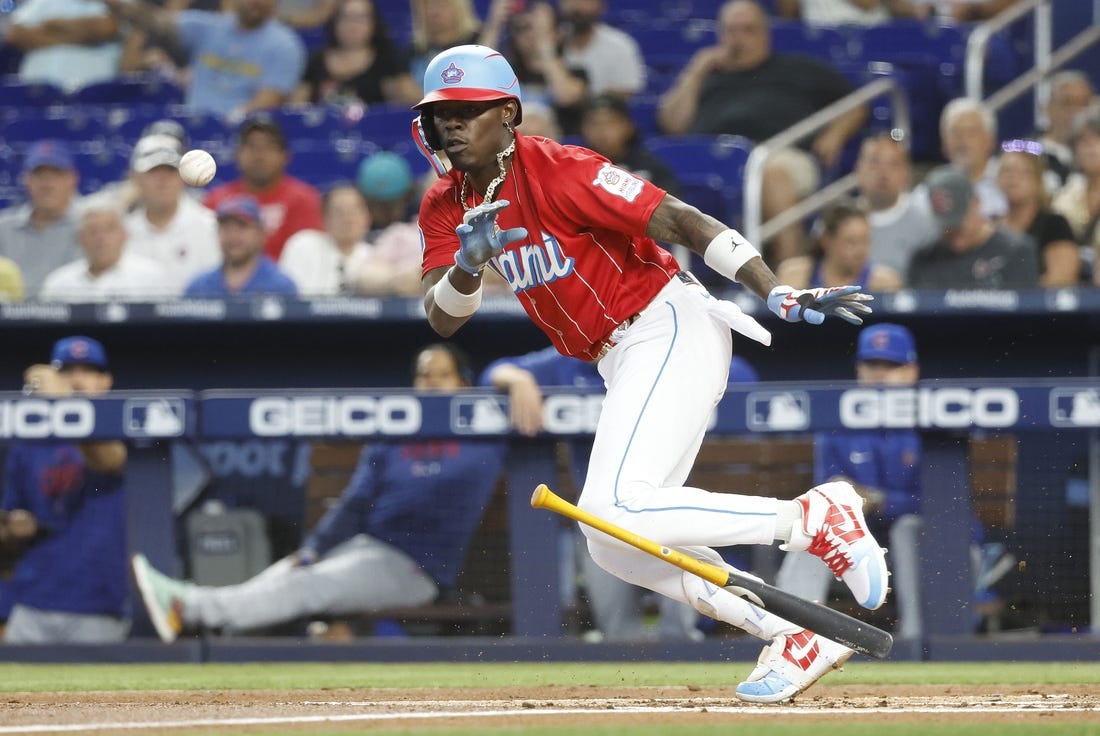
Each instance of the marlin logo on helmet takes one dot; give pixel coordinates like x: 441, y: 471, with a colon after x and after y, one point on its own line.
x: 452, y: 74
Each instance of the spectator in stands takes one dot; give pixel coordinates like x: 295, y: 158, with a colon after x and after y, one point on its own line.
x: 884, y: 468
x: 386, y: 182
x: 168, y: 225
x: 1020, y: 177
x: 972, y: 252
x: 40, y: 235
x: 740, y: 87
x: 539, y: 119
x: 70, y: 581
x: 959, y: 11
x: 608, y: 129
x: 397, y: 536
x: 358, y: 64
x: 109, y: 270
x: 616, y: 605
x: 968, y: 132
x: 534, y: 49
x: 901, y: 221
x: 1079, y: 200
x: 240, y: 62
x: 149, y: 51
x: 333, y: 261
x: 245, y: 268
x: 288, y: 204
x: 440, y: 24
x: 841, y: 254
x: 11, y: 281
x: 1070, y: 92
x: 836, y: 12
x: 610, y: 57
x: 67, y: 44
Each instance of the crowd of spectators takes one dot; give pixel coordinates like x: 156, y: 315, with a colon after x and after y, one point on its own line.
x: 580, y: 74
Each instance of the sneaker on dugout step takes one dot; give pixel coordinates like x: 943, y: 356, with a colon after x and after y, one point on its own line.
x: 789, y: 665
x: 833, y: 529
x: 163, y: 598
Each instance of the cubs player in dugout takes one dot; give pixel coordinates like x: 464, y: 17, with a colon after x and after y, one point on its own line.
x: 576, y: 239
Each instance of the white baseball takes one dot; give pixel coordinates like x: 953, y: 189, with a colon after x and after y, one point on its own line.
x: 197, y: 167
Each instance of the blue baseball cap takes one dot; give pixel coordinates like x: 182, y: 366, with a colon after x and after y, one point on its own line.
x: 385, y: 176
x: 242, y: 207
x: 889, y: 342
x: 53, y: 153
x: 78, y: 350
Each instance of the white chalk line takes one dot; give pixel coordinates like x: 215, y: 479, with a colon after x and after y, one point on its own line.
x: 1038, y: 704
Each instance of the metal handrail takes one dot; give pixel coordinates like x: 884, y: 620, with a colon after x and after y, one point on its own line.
x: 977, y: 44
x: 1058, y: 59
x: 757, y: 232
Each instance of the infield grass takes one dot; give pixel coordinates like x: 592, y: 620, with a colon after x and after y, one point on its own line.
x: 295, y: 676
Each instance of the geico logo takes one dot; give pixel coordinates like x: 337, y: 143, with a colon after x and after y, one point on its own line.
x: 565, y: 414
x: 276, y: 416
x: 947, y: 408
x: 33, y: 419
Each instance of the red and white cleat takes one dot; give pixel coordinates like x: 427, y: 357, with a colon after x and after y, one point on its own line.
x: 789, y: 665
x: 833, y: 529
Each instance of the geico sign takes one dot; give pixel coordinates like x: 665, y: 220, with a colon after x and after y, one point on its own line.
x: 33, y: 419
x: 947, y: 408
x: 566, y: 414
x: 277, y: 416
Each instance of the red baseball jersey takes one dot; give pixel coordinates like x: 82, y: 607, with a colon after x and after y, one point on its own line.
x: 586, y: 265
x: 286, y: 207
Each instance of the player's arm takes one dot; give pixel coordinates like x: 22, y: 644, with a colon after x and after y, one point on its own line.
x: 86, y: 31
x: 727, y: 252
x: 440, y: 302
x: 145, y: 16
x: 104, y: 457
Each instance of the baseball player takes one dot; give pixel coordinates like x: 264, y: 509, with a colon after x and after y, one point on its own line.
x: 575, y: 238
x: 397, y: 536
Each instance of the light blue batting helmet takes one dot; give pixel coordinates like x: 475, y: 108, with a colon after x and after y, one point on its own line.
x: 474, y: 73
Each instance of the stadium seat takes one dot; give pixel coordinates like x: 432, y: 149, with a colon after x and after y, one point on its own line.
x: 386, y: 125
x: 130, y: 89
x: 795, y: 37
x: 99, y: 165
x: 317, y: 122
x: 204, y: 131
x: 16, y: 93
x: 61, y: 122
x: 710, y: 169
x: 322, y: 164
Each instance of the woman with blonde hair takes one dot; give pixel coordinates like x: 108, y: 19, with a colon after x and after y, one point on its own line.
x: 1020, y: 178
x: 440, y: 24
x: 841, y: 254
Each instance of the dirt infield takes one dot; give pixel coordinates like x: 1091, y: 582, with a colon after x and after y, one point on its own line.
x: 336, y: 710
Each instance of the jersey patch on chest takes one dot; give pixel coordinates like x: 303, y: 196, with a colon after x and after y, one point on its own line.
x: 618, y: 182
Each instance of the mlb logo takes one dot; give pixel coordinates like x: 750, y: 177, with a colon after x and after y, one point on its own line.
x: 777, y: 411
x: 153, y: 417
x: 1070, y: 408
x: 480, y: 415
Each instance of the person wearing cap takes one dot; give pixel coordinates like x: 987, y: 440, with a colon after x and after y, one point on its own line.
x: 240, y: 62
x: 70, y: 584
x: 884, y: 468
x: 245, y: 268
x: 386, y: 182
x: 169, y: 225
x: 972, y: 252
x: 578, y: 241
x: 67, y: 44
x: 109, y: 270
x: 40, y: 234
x: 288, y: 203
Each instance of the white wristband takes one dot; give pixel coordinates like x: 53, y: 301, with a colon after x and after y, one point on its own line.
x: 452, y: 301
x: 728, y: 252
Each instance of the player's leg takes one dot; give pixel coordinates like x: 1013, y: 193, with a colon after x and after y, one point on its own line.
x: 804, y: 575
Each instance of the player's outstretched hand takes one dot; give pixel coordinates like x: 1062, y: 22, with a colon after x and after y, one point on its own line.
x: 480, y: 239
x: 813, y: 305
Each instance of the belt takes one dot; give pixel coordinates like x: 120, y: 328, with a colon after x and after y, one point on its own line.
x: 616, y: 336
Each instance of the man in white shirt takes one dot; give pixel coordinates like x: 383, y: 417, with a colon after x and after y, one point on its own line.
x: 331, y: 262
x: 169, y: 226
x: 107, y: 271
x: 610, y: 57
x: 68, y: 43
x: 968, y: 133
x: 901, y: 219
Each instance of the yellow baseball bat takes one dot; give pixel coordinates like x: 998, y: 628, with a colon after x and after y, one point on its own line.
x: 834, y: 625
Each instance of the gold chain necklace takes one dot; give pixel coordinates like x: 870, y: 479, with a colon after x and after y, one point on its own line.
x: 492, y: 188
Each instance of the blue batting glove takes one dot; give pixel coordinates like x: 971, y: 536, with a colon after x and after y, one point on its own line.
x: 813, y: 305
x: 480, y: 239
